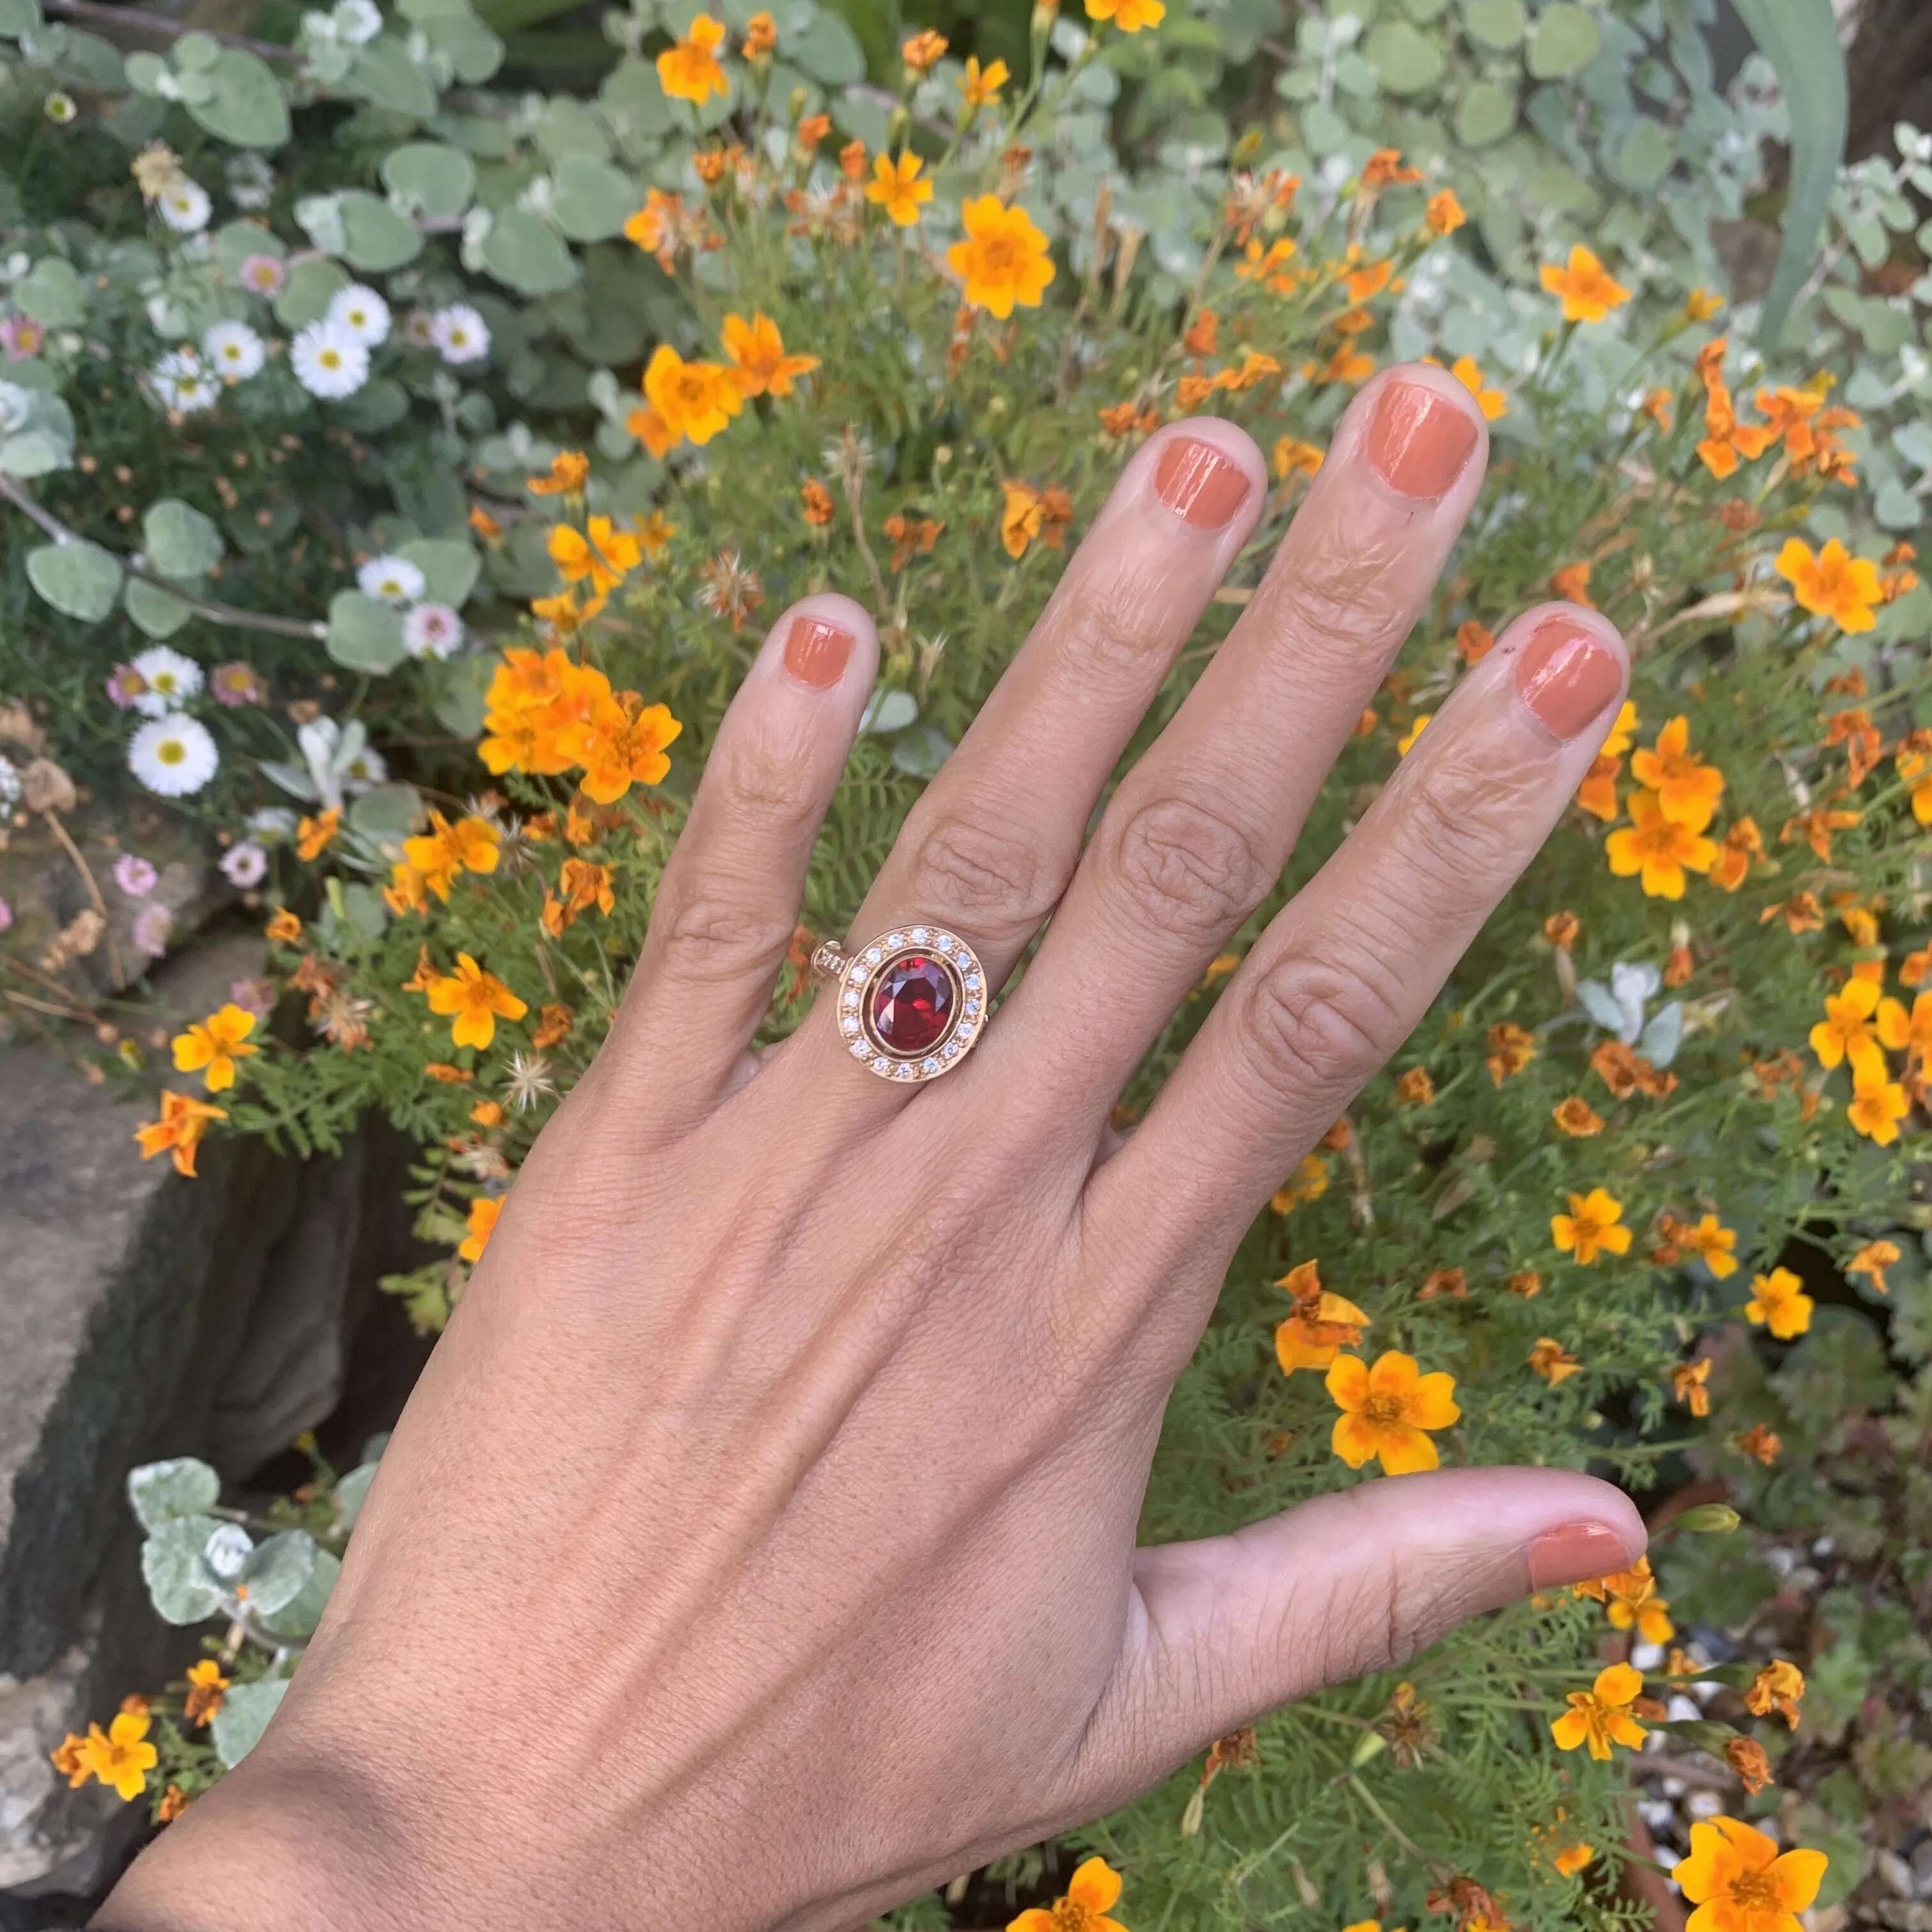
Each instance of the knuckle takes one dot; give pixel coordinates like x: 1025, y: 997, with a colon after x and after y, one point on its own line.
x: 757, y: 774
x: 1338, y: 609
x: 981, y: 870
x: 1459, y: 821
x: 1108, y: 626
x: 717, y: 932
x: 1189, y: 872
x: 1317, y: 1026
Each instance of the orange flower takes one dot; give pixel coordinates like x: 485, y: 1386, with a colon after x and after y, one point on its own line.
x: 179, y: 1130
x: 1491, y: 402
x: 1572, y: 1859
x: 981, y: 85
x: 922, y: 50
x: 1588, y: 293
x: 1415, y: 1088
x: 1779, y: 1303
x: 1443, y: 215
x: 1561, y: 929
x: 695, y: 400
x: 483, y: 1212
x: 1004, y: 259
x: 1511, y: 1048
x: 622, y: 744
x: 1347, y: 364
x: 1365, y: 283
x: 472, y: 844
x: 759, y: 365
x: 1553, y: 1362
x: 1909, y: 1034
x: 1095, y: 1886
x: 1625, y: 1072
x: 895, y: 187
x: 1309, y: 1182
x: 1130, y: 17
x: 761, y: 35
x: 120, y: 1756
x: 1322, y: 1323
x: 1878, y: 1106
x: 1816, y: 828
x: 1661, y: 850
x: 1572, y: 584
x: 215, y: 1044
x: 1760, y: 1442
x: 1387, y: 1410
x: 1417, y: 726
x: 312, y: 835
x: 1847, y: 1031
x: 553, y: 1024
x: 690, y: 70
x: 1746, y: 1757
x: 1777, y: 1686
x: 1743, y: 844
x: 1291, y: 454
x: 1711, y: 1242
x: 1593, y: 1225
x: 1600, y: 1716
x: 603, y: 554
x: 1689, y: 1384
x: 1575, y: 1117
x: 206, y: 1686
x: 1739, y: 1881
x: 1656, y: 405
x: 1701, y: 304
x: 1872, y: 1259
x: 1269, y: 265
x: 1453, y: 1282
x: 1474, y: 641
x: 474, y: 998
x: 815, y: 500
x: 1383, y: 169
x: 284, y: 929
x: 569, y: 470
x: 1526, y: 1282
x: 1831, y: 583
x: 1687, y: 790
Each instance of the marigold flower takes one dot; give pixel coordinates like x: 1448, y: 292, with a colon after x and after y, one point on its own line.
x: 215, y: 1044
x: 1740, y: 1882
x: 1831, y: 583
x: 1383, y: 169
x: 120, y: 1756
x: 696, y: 399
x: 1600, y: 1716
x: 911, y: 536
x: 1817, y: 828
x: 812, y: 130
x: 1878, y: 1106
x: 174, y: 1802
x: 569, y: 471
x: 1561, y: 929
x: 1022, y: 519
x: 1322, y: 1325
x: 690, y: 70
x: 1419, y: 723
x: 922, y: 51
x: 1909, y: 1034
x: 761, y: 35
x: 895, y: 186
x: 485, y: 526
x: 1656, y: 405
x: 1526, y: 1282
x: 623, y: 743
x: 178, y: 1132
x: 472, y: 844
x: 1553, y: 1362
x: 1492, y: 403
x: 1687, y: 790
x: 1743, y: 844
x: 815, y: 501
x: 1415, y: 1088
x: 1593, y: 1225
x: 1309, y: 1182
x: 1130, y: 17
x: 760, y: 366
x: 981, y: 85
x: 602, y: 554
x: 1090, y: 1893
x: 206, y: 1686
x: 1711, y: 1242
x: 1004, y: 259
x: 1443, y: 215
x: 1872, y: 1259
x: 1474, y: 641
x: 1511, y: 1048
x: 1388, y: 1410
x: 1270, y: 266
x: 1631, y: 1601
x: 1588, y: 292
x: 1572, y: 1859
x: 1761, y: 1443
x: 1848, y: 1031
x: 1624, y: 1072
x: 1689, y: 1384
x: 312, y: 836
x: 474, y: 999
x: 1452, y: 1281
x: 1661, y: 850
x: 1701, y: 304
x: 283, y: 928
x: 553, y: 1024
x: 1572, y: 584
x: 483, y: 1212
x: 1777, y: 1686
x: 1575, y: 1117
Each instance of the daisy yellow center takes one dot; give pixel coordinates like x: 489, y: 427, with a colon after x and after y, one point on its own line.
x: 170, y: 752
x: 1384, y: 1411
x: 330, y: 358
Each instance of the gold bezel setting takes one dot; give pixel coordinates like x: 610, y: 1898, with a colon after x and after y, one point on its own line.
x: 859, y: 975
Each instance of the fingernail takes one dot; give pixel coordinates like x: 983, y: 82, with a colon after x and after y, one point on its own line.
x: 1197, y: 482
x: 1567, y: 675
x: 816, y: 652
x: 1419, y: 441
x: 1577, y: 1553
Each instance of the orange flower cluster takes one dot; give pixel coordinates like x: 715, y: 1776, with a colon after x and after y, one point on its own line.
x: 544, y: 714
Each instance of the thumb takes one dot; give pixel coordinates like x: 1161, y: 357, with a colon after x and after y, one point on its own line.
x: 1223, y: 1629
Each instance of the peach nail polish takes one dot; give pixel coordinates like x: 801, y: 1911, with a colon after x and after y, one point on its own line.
x: 1567, y: 675
x: 1419, y: 441
x: 1575, y: 1553
x: 1199, y: 484
x: 816, y: 652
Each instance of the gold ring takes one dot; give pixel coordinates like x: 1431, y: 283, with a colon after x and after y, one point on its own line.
x: 911, y: 1003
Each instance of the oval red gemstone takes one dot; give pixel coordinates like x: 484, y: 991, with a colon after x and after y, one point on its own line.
x: 912, y: 1005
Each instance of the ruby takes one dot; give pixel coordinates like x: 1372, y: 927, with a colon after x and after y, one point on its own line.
x: 913, y: 1005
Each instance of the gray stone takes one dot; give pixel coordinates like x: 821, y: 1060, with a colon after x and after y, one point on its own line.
x: 1906, y: 1916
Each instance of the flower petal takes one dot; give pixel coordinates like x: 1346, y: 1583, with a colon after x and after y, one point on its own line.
x: 1433, y: 1406
x: 1095, y: 1884
x: 1405, y: 1450
x: 1798, y: 1874
x: 1347, y: 1381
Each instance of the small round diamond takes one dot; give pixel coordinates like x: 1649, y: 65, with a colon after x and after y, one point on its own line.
x: 850, y: 1021
x: 931, y: 1066
x: 882, y: 1065
x: 972, y: 1008
x: 902, y: 1072
x: 895, y: 941
x: 966, y: 1031
x: 873, y: 955
x: 919, y: 935
x: 952, y: 1049
x: 860, y: 1048
x: 973, y: 983
x: 945, y: 942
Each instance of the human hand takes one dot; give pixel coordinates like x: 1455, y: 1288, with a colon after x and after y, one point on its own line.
x: 758, y: 1547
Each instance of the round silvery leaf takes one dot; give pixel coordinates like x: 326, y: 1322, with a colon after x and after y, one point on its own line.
x: 430, y: 177
x: 277, y: 1570
x: 1409, y: 60
x: 171, y: 1566
x: 522, y: 251
x: 352, y: 1491
x: 890, y: 711
x: 161, y: 1491
x: 196, y: 53
x: 363, y: 634
x: 298, y: 1618
x: 375, y: 237
x: 450, y: 567
x: 237, y: 1727
x: 181, y: 543
x: 157, y: 613
x: 248, y: 109
x: 1565, y: 39
x: 80, y: 579
x: 227, y: 1550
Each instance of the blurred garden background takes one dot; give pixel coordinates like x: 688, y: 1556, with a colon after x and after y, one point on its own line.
x: 409, y: 413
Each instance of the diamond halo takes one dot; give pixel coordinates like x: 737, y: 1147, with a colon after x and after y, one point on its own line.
x: 911, y: 1002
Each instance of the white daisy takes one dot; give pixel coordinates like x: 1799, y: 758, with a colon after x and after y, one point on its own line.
x: 329, y: 361
x: 459, y: 334
x: 173, y: 756
x: 362, y: 313
x: 182, y: 381
x: 183, y: 205
x: 244, y: 865
x: 271, y: 824
x: 365, y: 769
x: 233, y: 349
x: 59, y: 109
x: 170, y: 680
x: 390, y: 579
x: 432, y: 631
x: 357, y: 22
x: 251, y: 181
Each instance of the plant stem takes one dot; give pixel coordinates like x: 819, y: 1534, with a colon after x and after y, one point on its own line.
x: 174, y: 30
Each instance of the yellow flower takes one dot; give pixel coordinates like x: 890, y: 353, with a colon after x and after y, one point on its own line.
x: 895, y: 187
x: 1387, y: 1410
x: 1593, y: 1225
x: 1777, y: 1686
x: 1588, y: 292
x: 1779, y: 1303
x: 1130, y: 16
x: 1878, y: 1106
x: 183, y: 1122
x: 1492, y: 402
x: 1712, y: 1243
x: 981, y: 85
x: 1553, y: 1362
x: 1833, y: 583
x: 1003, y: 259
x: 695, y: 400
x: 1909, y: 1034
x: 472, y: 844
x: 313, y: 835
x: 1701, y: 304
x: 1511, y: 1048
x: 1090, y: 1897
x: 216, y: 1043
x: 690, y: 70
x: 604, y: 554
x: 474, y: 998
x: 1309, y: 1182
x: 483, y: 1212
x: 1847, y: 1032
x: 1740, y: 1882
x: 1577, y: 1116
x: 1661, y: 849
x: 760, y: 366
x: 121, y: 1755
x: 1573, y: 1859
x: 569, y: 470
x: 1689, y: 1384
x: 1872, y: 1259
x: 1407, y: 740
x: 1687, y: 789
x: 284, y: 929
x: 1600, y: 1716
x: 1291, y: 454
x: 1322, y: 1324
x: 1443, y: 215
x: 206, y: 1686
x: 1415, y: 1088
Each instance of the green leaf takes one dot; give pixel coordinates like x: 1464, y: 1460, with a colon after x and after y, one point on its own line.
x: 352, y: 1491
x: 363, y: 634
x: 375, y: 237
x: 591, y: 199
x: 179, y: 1584
x: 385, y: 813
x: 146, y: 72
x: 1494, y: 23
x: 430, y: 177
x: 472, y: 50
x: 458, y: 701
x: 237, y: 1727
x: 449, y: 566
x: 1485, y: 114
x: 18, y: 17
x: 384, y: 75
x: 196, y: 53
x: 247, y: 108
x: 156, y: 612
x: 311, y: 287
x: 298, y: 1618
x: 524, y: 251
x: 161, y: 1491
x: 1566, y: 38
x: 1643, y: 156
x: 81, y: 579
x: 828, y: 50
x: 568, y: 126
x: 278, y: 1569
x: 181, y: 543
x: 1409, y: 60
x: 635, y: 103
x: 53, y: 293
